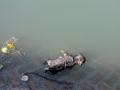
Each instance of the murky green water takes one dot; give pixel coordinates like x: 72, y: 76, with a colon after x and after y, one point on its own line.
x: 42, y: 27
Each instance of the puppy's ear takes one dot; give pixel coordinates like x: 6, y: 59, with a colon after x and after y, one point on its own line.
x: 84, y: 61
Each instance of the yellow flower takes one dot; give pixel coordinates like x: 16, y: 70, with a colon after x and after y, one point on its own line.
x: 9, y: 45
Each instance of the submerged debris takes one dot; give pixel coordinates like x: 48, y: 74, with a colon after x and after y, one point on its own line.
x: 25, y: 78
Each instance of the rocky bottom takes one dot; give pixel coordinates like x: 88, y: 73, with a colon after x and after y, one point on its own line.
x: 91, y: 76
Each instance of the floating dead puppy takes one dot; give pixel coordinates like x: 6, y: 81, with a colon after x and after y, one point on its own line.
x: 67, y: 61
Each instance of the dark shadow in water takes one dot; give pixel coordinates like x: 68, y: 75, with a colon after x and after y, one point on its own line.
x: 53, y: 80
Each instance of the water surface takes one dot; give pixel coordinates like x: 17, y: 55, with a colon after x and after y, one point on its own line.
x: 45, y: 27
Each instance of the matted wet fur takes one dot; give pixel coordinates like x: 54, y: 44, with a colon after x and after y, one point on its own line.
x: 55, y: 70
